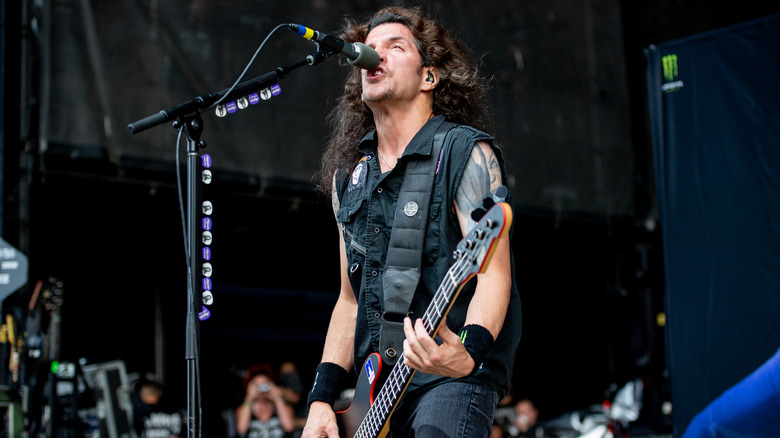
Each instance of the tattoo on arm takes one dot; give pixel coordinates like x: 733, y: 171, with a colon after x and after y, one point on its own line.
x: 481, y: 177
x: 334, y: 198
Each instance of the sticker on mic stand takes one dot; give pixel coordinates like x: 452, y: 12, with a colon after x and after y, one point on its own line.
x: 208, y: 298
x: 204, y: 314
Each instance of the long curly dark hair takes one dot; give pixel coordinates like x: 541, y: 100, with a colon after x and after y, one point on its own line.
x: 459, y: 96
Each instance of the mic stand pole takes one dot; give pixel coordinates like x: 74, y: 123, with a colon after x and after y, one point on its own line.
x: 188, y: 117
x: 193, y: 127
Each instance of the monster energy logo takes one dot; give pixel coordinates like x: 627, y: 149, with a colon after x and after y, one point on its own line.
x: 670, y: 66
x: 669, y: 63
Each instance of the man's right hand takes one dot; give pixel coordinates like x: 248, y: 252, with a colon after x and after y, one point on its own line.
x: 321, y: 422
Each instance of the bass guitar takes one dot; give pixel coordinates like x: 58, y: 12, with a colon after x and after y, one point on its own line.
x: 368, y: 416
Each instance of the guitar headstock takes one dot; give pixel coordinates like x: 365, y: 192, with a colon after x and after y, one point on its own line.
x: 479, y: 244
x: 53, y: 292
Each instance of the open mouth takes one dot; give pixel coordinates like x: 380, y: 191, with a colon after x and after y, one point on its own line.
x: 374, y: 73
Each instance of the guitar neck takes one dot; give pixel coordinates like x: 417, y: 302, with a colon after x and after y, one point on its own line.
x: 54, y: 338
x: 442, y: 301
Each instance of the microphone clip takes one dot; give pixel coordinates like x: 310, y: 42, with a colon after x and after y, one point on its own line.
x: 318, y: 56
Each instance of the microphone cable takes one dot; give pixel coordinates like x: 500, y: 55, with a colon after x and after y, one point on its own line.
x: 249, y: 64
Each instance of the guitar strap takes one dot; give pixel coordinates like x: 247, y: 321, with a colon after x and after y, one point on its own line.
x: 407, y: 238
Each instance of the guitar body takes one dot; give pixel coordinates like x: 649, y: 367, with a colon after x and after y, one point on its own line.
x: 365, y: 390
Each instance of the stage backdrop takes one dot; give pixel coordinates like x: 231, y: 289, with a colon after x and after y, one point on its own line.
x: 715, y: 110
x: 557, y: 75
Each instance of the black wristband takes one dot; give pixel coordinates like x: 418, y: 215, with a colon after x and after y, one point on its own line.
x: 328, y: 383
x: 478, y: 341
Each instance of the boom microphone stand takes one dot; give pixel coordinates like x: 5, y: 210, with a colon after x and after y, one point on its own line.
x: 187, y: 117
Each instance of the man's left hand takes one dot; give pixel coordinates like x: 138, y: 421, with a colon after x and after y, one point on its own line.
x: 422, y: 353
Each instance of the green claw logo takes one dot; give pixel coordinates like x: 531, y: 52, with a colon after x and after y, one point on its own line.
x: 671, y: 73
x: 670, y: 67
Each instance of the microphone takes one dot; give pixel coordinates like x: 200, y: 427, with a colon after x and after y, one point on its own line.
x: 357, y: 54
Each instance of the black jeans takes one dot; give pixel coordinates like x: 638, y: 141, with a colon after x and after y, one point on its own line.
x: 454, y: 409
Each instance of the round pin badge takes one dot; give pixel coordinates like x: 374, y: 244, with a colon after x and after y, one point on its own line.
x: 411, y: 208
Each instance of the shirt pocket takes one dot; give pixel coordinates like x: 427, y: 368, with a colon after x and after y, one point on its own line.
x: 347, y: 216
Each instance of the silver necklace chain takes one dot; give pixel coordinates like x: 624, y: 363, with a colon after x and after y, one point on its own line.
x: 392, y: 166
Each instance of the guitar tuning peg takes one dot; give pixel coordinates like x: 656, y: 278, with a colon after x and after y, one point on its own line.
x: 500, y: 194
x: 477, y: 214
